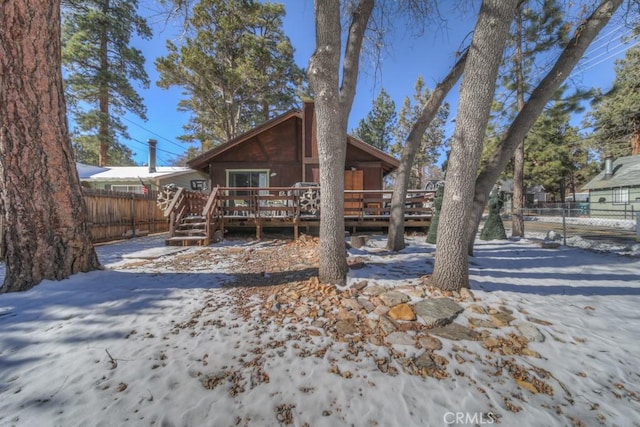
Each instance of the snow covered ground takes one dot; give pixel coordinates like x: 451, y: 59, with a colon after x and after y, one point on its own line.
x: 142, y: 344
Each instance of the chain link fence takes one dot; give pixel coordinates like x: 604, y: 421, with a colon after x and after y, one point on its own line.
x: 579, y: 221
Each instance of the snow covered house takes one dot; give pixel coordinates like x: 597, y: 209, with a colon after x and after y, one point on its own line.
x: 617, y: 187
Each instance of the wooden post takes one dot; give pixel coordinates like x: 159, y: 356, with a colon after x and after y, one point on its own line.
x: 133, y: 215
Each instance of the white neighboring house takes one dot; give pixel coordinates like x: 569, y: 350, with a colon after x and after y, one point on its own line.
x: 133, y: 179
x: 141, y: 179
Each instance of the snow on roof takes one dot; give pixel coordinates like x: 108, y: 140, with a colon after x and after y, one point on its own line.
x: 135, y: 172
x: 86, y: 171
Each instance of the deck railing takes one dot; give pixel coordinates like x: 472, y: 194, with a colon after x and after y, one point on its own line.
x: 287, y: 202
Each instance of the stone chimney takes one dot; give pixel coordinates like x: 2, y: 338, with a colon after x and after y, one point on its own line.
x: 608, y: 166
x: 152, y: 155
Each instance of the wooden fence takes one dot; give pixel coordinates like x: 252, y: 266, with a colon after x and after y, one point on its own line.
x: 114, y: 215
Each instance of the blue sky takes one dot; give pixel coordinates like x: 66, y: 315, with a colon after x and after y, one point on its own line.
x: 405, y: 58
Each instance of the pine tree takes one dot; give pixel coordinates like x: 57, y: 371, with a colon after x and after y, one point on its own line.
x: 377, y: 128
x: 433, y: 139
x: 616, y: 116
x: 41, y: 201
x: 100, y: 65
x: 236, y: 67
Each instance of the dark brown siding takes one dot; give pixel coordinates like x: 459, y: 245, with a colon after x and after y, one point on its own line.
x: 275, y: 149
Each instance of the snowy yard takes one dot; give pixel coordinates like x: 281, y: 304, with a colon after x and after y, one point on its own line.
x: 551, y: 338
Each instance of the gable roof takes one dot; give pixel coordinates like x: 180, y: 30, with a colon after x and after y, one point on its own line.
x: 626, y: 173
x: 201, y: 162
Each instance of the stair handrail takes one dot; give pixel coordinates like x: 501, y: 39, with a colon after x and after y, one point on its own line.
x: 209, y: 210
x: 211, y: 202
x: 176, y: 199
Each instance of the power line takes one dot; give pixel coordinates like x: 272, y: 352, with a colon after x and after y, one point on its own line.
x: 611, y: 56
x: 154, y: 133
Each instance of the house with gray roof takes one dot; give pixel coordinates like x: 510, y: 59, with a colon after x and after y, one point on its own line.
x: 617, y: 187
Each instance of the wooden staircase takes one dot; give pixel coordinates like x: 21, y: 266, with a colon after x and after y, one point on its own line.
x: 193, y: 218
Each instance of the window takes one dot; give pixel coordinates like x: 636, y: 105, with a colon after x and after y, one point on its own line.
x: 620, y: 195
x: 248, y: 178
x: 198, y: 184
x: 138, y: 189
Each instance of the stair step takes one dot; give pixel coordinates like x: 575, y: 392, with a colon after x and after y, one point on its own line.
x: 186, y: 241
x: 194, y: 232
x: 191, y: 218
x: 192, y: 225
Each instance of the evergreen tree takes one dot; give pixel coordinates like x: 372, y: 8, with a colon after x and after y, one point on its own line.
x: 538, y: 28
x: 378, y: 127
x: 41, y: 201
x: 100, y: 65
x: 236, y: 68
x: 616, y: 116
x: 432, y: 140
x: 555, y: 154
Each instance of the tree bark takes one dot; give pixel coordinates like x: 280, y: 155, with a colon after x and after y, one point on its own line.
x: 534, y: 106
x: 517, y: 203
x: 103, y: 131
x: 451, y: 270
x: 333, y: 101
x: 40, y: 195
x: 395, y: 237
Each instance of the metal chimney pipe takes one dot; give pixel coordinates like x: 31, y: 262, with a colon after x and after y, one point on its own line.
x: 608, y: 166
x: 152, y: 155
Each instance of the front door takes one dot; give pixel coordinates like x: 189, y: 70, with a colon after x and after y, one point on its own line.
x: 353, y: 180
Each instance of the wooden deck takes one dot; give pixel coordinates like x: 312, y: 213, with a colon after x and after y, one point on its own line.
x: 196, y: 216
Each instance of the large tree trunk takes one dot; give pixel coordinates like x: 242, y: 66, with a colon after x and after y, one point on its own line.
x: 333, y: 103
x: 451, y: 271
x: 395, y: 238
x: 517, y: 202
x: 40, y: 194
x: 534, y: 106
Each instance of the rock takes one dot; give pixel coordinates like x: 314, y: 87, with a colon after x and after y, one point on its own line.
x: 437, y: 312
x: 302, y: 311
x: 381, y: 310
x: 475, y: 308
x: 391, y: 298
x: 531, y: 353
x: 415, y: 292
x: 344, y: 314
x: 424, y: 361
x: 466, y: 294
x: 455, y: 332
x: 530, y: 332
x: 402, y: 312
x: 399, y: 338
x: 358, y: 286
x: 386, y: 325
x: 501, y: 319
x: 481, y: 323
x: 358, y: 241
x: 374, y: 339
x: 430, y: 343
x: 366, y: 304
x: 346, y: 327
x: 350, y: 304
x: 372, y: 290
x: 549, y: 245
x: 491, y: 342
